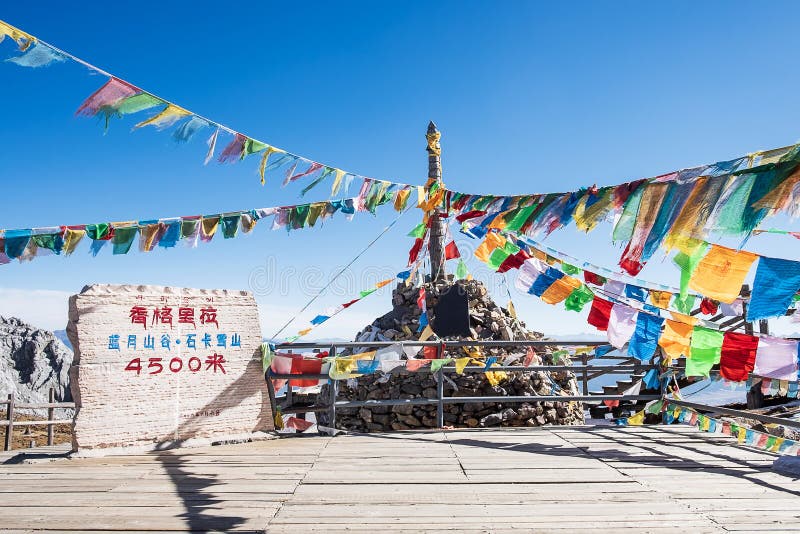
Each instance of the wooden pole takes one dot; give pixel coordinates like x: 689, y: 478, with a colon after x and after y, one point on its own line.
x: 10, y: 427
x: 436, y: 241
x: 50, y: 417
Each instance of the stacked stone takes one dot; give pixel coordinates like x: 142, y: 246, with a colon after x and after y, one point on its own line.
x: 488, y: 321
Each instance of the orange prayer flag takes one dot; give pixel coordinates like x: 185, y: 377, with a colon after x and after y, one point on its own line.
x: 721, y: 272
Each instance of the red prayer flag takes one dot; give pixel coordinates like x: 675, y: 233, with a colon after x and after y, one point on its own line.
x: 112, y: 91
x: 470, y: 215
x: 304, y: 366
x: 451, y: 251
x: 414, y: 252
x: 298, y: 424
x: 630, y: 259
x: 738, y: 356
x: 600, y: 313
x: 592, y: 278
x: 708, y: 306
x: 513, y: 262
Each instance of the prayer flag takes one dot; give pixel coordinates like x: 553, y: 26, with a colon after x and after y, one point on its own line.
x: 599, y: 313
x: 451, y: 251
x: 776, y: 358
x: 705, y: 351
x: 621, y: 324
x: 111, y: 92
x: 578, y: 298
x: 775, y: 285
x: 560, y: 289
x: 721, y: 273
x: 645, y: 337
x: 738, y: 356
x: 168, y: 116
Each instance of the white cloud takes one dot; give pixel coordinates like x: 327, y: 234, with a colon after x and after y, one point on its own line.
x: 41, y: 308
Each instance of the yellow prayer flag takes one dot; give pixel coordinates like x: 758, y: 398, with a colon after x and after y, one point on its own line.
x: 683, y: 318
x: 401, y: 198
x: 499, y: 222
x: 22, y: 39
x: 167, y: 117
x: 147, y: 237
x: 209, y: 227
x: 777, y: 445
x: 262, y: 167
x: 660, y: 299
x: 341, y: 368
x: 495, y: 377
x: 636, y: 419
x: 560, y: 290
x: 337, y: 182
x: 461, y: 363
x: 304, y: 332
x: 675, y: 339
x: 426, y: 333
x: 420, y: 195
x: 511, y: 310
x: 384, y: 283
x: 721, y: 272
x: 741, y: 435
x: 71, y: 240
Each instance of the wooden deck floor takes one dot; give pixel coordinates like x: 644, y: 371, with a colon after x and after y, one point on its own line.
x: 646, y: 479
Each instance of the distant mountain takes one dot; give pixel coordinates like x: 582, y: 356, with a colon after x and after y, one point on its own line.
x: 320, y: 340
x: 577, y: 337
x: 62, y: 336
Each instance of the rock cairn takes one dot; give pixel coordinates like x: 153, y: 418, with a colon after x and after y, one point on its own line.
x: 488, y: 321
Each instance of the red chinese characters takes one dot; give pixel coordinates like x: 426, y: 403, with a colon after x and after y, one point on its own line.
x: 208, y: 315
x: 186, y: 316
x: 162, y: 315
x: 157, y: 365
x: 138, y: 315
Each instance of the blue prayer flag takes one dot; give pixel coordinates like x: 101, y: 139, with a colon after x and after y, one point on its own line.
x: 775, y: 284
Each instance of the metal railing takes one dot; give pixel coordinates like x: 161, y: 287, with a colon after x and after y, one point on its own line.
x: 586, y: 371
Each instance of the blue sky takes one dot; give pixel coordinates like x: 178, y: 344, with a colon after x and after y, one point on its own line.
x: 530, y: 97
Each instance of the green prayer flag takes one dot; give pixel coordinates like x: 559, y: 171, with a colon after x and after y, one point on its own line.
x: 461, y: 270
x: 135, y: 103
x: 418, y: 231
x: 98, y: 231
x: 327, y: 171
x: 578, y: 298
x: 366, y: 292
x: 497, y: 257
x: 655, y: 408
x: 189, y: 227
x: 685, y: 304
x: 704, y: 351
x: 439, y: 363
x: 687, y: 264
x: 251, y: 146
x: 569, y: 269
x: 123, y: 238
x: 519, y: 218
x: 623, y: 230
x: 52, y: 242
x: 230, y: 225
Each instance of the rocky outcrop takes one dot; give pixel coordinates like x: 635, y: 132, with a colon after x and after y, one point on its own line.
x: 487, y: 321
x: 31, y: 362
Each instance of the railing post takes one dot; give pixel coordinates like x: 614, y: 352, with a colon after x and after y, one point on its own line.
x: 440, y: 390
x: 585, y: 362
x: 10, y: 427
x: 332, y: 393
x: 51, y: 417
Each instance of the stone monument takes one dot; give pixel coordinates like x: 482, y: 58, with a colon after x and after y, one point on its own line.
x: 156, y: 366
